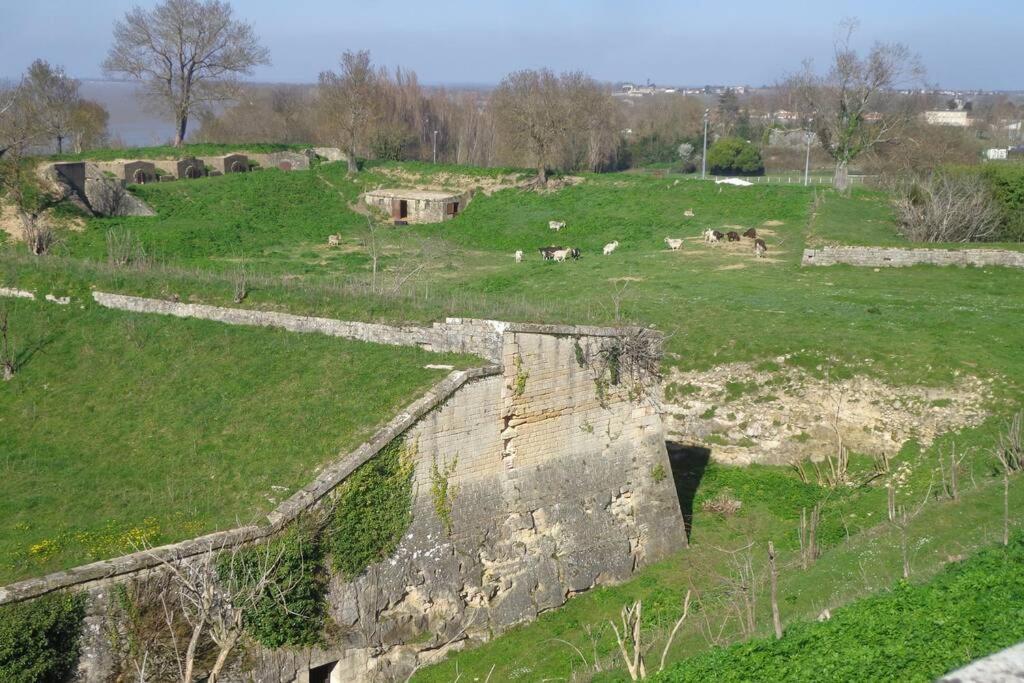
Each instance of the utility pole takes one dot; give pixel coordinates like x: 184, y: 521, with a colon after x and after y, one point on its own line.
x: 435, y: 146
x: 807, y: 164
x: 704, y: 156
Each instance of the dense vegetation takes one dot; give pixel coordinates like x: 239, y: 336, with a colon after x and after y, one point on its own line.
x: 124, y: 430
x: 730, y: 156
x: 39, y: 640
x: 911, y: 633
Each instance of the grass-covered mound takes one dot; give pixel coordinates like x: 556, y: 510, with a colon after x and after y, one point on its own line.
x: 122, y: 429
x: 911, y: 633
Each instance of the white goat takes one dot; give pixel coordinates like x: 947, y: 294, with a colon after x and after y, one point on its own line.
x: 556, y: 225
x: 560, y: 254
x: 333, y: 240
x: 688, y: 213
x: 519, y: 256
x: 610, y: 247
x: 709, y: 236
x: 673, y: 244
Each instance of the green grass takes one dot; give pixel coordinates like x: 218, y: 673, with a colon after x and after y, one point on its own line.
x: 121, y: 428
x: 911, y: 633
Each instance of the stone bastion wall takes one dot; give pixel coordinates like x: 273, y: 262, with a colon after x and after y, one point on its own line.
x: 560, y: 482
x: 882, y: 257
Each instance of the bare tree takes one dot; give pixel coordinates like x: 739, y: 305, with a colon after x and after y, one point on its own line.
x: 947, y: 207
x: 1009, y: 454
x: 846, y: 103
x: 18, y: 126
x: 187, y: 53
x: 774, y: 577
x: 53, y: 97
x: 6, y: 348
x: 349, y: 103
x: 808, y: 535
x: 629, y: 641
x: 531, y: 115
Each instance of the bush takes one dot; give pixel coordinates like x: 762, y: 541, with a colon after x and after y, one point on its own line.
x: 301, y: 573
x: 733, y: 156
x: 1006, y: 183
x: 373, y: 508
x: 39, y: 639
x: 948, y: 207
x: 913, y: 633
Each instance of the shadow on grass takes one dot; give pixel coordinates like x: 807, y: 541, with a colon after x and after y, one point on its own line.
x: 24, y: 355
x: 688, y: 465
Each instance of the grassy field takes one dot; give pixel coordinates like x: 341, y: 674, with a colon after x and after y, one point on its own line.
x: 122, y: 429
x: 719, y: 304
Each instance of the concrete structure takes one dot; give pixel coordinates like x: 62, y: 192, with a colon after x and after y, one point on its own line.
x: 1005, y: 665
x: 72, y: 174
x: 417, y: 206
x: 285, y: 161
x: 560, y: 483
x: 958, y: 118
x: 886, y: 257
x: 93, y: 191
x: 229, y: 163
x: 190, y: 167
x: 139, y: 172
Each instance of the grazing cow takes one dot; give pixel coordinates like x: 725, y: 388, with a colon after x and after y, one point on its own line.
x: 610, y: 247
x: 333, y: 240
x: 673, y: 244
x: 733, y: 236
x: 561, y: 254
x: 760, y: 248
x: 519, y: 256
x: 556, y: 225
x: 752, y: 234
x: 688, y: 213
x: 547, y: 253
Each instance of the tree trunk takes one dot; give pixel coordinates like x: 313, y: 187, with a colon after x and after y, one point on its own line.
x: 542, y: 175
x: 350, y: 153
x: 179, y: 135
x: 841, y: 181
x: 60, y: 144
x: 774, y: 576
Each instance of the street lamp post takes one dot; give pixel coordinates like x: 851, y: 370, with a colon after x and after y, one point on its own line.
x: 435, y: 146
x: 704, y: 156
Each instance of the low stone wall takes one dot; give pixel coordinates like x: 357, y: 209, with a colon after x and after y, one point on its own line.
x: 883, y: 257
x: 454, y: 335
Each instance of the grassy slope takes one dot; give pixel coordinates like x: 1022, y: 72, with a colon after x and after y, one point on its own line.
x: 911, y: 325
x: 121, y: 428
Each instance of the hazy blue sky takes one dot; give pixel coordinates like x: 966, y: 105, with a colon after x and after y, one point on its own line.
x: 963, y: 44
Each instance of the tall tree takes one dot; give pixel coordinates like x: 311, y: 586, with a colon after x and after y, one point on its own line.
x: 88, y: 125
x: 855, y: 87
x: 52, y: 97
x: 349, y: 103
x: 187, y: 53
x: 531, y: 114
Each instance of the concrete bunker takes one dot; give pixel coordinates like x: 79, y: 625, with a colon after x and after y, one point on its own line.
x: 139, y: 172
x: 417, y: 206
x: 229, y: 163
x: 190, y: 168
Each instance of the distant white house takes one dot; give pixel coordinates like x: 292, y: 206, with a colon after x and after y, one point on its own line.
x: 959, y: 118
x: 996, y: 153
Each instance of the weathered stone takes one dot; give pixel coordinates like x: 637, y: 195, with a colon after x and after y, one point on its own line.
x: 882, y: 257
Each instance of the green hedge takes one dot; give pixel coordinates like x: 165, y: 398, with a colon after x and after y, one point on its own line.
x: 1006, y: 181
x: 734, y: 156
x: 912, y: 633
x: 39, y: 639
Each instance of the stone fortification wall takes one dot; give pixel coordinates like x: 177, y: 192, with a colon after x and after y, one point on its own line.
x: 882, y: 257
x: 558, y: 481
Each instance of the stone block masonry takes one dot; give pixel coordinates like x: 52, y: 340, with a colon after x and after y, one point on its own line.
x: 891, y: 257
x: 557, y: 482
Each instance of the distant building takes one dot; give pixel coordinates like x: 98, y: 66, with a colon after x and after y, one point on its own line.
x: 960, y: 119
x: 996, y: 153
x: 417, y: 206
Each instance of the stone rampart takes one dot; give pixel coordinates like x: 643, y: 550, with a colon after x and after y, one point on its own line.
x: 893, y: 257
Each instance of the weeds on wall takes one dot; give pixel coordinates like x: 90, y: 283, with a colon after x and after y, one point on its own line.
x: 519, y: 385
x: 371, y: 510
x: 442, y: 492
x: 39, y: 639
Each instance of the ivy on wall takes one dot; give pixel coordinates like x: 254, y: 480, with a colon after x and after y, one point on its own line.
x: 39, y: 639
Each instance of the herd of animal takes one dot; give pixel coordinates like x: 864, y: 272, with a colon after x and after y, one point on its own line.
x: 561, y: 253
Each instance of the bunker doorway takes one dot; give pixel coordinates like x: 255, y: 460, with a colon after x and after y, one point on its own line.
x: 452, y: 208
x: 325, y: 674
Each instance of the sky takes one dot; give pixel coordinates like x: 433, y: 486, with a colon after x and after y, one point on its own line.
x: 686, y: 42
